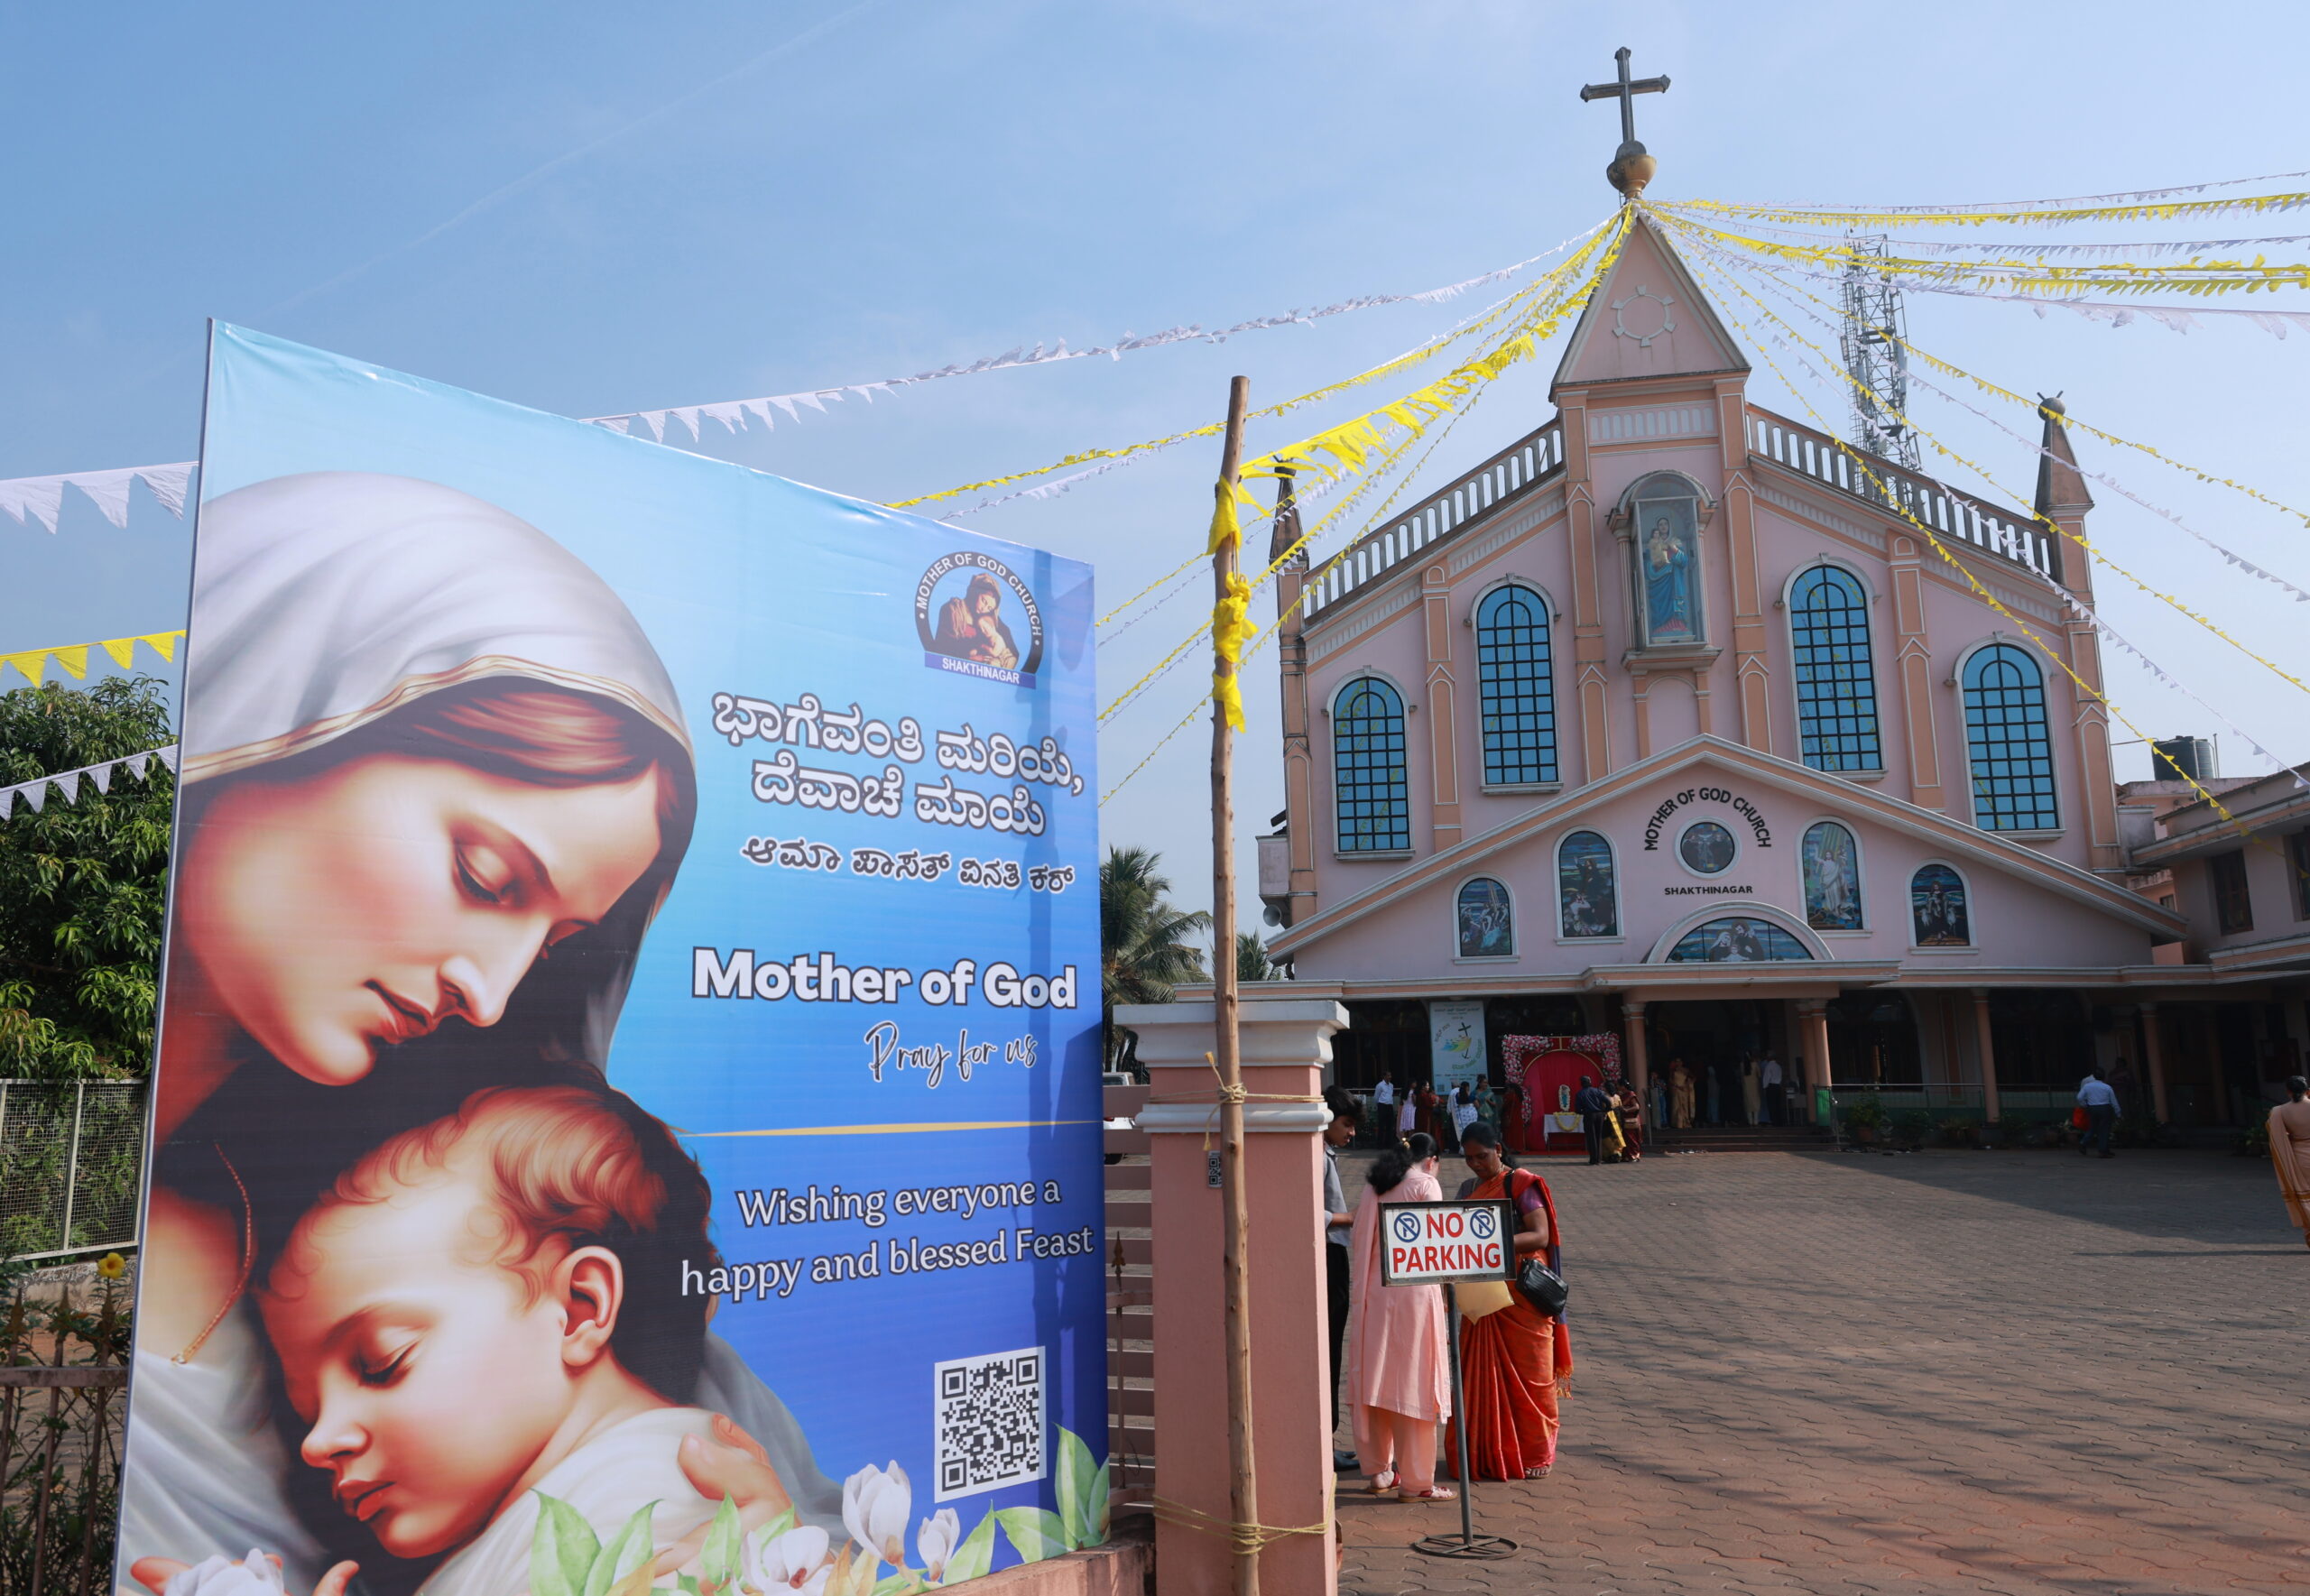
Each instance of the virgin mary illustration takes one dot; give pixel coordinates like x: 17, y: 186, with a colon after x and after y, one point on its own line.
x: 437, y: 786
x: 971, y: 627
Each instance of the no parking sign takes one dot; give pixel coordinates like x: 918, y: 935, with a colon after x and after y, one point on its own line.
x: 1435, y: 1243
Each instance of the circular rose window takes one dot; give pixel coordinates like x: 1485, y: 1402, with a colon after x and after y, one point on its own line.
x: 1706, y: 847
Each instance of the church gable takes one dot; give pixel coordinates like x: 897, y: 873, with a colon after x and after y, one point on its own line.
x: 1714, y: 854
x: 1647, y: 319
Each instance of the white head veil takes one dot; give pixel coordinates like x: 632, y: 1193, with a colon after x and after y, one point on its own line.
x: 324, y: 602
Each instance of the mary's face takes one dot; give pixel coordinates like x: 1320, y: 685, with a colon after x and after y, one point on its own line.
x: 337, y: 915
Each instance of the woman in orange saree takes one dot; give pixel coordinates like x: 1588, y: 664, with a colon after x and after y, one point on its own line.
x: 1516, y: 1363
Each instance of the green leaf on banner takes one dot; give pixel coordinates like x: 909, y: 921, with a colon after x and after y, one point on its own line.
x: 1073, y: 1480
x: 1036, y: 1532
x: 975, y: 1556
x: 628, y: 1550
x: 561, y: 1550
x: 717, y: 1560
x: 1101, y: 1493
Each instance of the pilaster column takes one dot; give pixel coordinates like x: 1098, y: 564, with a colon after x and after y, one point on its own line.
x: 1751, y: 666
x: 1913, y: 671
x: 1286, y: 1044
x: 2153, y: 1060
x: 1590, y: 679
x: 1298, y: 755
x: 1443, y: 716
x: 1985, y: 1043
x: 1813, y: 1022
x: 1640, y: 1065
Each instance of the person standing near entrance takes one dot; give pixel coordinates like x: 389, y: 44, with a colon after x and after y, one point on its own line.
x: 1397, y: 1362
x: 1339, y: 1221
x: 1384, y: 1107
x: 1752, y: 1092
x: 1713, y: 1073
x: 1407, y: 1110
x: 1516, y: 1364
x: 1680, y: 1094
x: 2289, y: 1125
x: 1774, y: 1092
x: 1593, y: 1107
x: 2100, y: 1106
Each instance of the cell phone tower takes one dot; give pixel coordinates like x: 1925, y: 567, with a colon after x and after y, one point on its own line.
x: 1876, y: 356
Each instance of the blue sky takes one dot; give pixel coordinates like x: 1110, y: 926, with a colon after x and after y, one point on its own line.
x: 746, y: 199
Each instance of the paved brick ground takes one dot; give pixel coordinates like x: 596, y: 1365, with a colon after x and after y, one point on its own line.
x: 1952, y: 1371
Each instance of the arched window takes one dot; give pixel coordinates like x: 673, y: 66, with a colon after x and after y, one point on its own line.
x: 1938, y: 913
x: 1584, y: 886
x: 1516, y: 687
x: 1832, y: 865
x: 1739, y: 940
x: 1486, y: 921
x: 1836, y: 690
x: 1368, y: 768
x: 2012, y: 754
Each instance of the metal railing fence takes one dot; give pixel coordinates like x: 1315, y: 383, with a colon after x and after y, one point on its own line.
x: 71, y: 1155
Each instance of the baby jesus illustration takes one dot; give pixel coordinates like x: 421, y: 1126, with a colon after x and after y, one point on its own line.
x: 489, y: 1308
x: 971, y: 627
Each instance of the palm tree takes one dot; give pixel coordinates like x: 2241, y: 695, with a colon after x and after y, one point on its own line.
x: 1141, y: 936
x: 1252, y: 961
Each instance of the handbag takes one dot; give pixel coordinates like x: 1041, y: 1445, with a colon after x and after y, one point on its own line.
x: 1539, y: 1284
x: 2077, y: 1118
x: 1543, y: 1288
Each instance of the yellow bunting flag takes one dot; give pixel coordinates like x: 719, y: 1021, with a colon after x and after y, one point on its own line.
x: 72, y: 658
x: 1231, y: 628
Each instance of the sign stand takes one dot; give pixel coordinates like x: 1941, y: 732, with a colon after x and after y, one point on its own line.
x: 1470, y: 1546
x: 1444, y: 1244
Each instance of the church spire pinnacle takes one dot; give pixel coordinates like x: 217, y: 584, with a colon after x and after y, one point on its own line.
x: 1632, y: 167
x: 2062, y: 492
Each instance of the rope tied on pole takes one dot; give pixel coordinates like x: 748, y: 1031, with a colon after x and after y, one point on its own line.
x: 1248, y: 1540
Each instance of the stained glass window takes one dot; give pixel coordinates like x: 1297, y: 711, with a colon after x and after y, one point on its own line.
x: 1487, y: 922
x: 1516, y: 687
x: 1836, y: 690
x: 1368, y: 768
x: 2007, y: 740
x: 1739, y: 940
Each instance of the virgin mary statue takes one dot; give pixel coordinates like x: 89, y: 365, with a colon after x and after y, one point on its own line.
x: 425, y: 746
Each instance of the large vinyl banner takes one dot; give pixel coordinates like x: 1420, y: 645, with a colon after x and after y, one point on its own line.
x: 628, y: 1104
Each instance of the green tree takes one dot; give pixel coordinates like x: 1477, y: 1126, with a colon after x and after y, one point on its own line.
x: 1252, y: 961
x: 1143, y: 943
x: 81, y: 884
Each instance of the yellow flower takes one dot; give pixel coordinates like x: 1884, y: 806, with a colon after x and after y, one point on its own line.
x: 111, y: 1265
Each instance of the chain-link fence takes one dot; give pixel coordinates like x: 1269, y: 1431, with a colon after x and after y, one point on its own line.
x: 68, y: 1163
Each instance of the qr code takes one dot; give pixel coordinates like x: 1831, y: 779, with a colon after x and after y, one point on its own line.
x: 990, y: 1423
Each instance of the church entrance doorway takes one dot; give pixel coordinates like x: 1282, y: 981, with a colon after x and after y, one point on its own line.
x: 1713, y: 1040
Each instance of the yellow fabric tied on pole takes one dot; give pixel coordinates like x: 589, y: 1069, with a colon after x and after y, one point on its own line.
x: 1231, y: 631
x: 1225, y: 528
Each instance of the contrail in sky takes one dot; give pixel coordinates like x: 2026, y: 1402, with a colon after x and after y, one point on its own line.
x: 529, y: 178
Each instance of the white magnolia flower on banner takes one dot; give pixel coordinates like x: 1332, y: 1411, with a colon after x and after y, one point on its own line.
x: 254, y: 1575
x: 875, y: 1505
x: 798, y: 1559
x: 936, y: 1541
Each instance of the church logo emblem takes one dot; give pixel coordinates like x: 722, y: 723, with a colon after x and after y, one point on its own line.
x: 976, y: 617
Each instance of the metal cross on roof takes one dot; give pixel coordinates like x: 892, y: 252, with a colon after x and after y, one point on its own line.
x: 1625, y: 92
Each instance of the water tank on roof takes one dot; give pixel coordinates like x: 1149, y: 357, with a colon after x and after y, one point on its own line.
x: 2194, y: 755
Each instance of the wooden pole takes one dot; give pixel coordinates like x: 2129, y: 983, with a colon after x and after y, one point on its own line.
x: 1243, y: 1488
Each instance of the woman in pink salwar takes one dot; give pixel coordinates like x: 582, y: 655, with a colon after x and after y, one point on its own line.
x: 1397, y: 1363
x: 2289, y: 1125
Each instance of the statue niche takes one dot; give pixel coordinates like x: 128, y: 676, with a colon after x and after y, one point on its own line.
x: 1663, y: 517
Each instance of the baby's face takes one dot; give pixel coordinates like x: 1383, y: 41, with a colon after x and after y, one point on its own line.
x: 430, y: 1382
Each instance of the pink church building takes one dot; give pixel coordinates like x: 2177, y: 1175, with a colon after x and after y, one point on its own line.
x: 1667, y: 723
